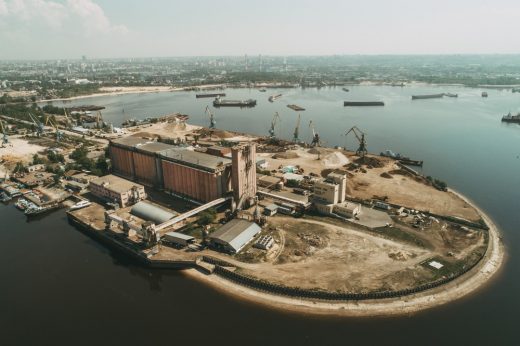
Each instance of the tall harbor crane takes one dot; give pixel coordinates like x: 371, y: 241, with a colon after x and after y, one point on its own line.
x: 274, y: 122
x: 100, y: 123
x: 296, y: 136
x: 68, y: 120
x: 38, y: 124
x: 5, y: 138
x: 54, y: 125
x: 316, y: 141
x: 360, y: 136
x: 212, y: 122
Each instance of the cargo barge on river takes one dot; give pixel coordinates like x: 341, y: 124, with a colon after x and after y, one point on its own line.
x: 296, y: 108
x: 509, y: 118
x: 218, y: 102
x: 430, y: 96
x: 272, y: 98
x: 362, y: 103
x: 210, y: 95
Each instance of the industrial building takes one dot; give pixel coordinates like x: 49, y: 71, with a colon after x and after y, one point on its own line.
x: 115, y: 189
x: 152, y: 212
x: 244, y: 173
x: 347, y: 209
x: 329, y: 197
x: 234, y: 235
x: 178, y: 239
x: 198, y: 176
x: 332, y: 190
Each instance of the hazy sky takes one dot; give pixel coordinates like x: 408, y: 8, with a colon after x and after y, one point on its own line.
x: 40, y: 29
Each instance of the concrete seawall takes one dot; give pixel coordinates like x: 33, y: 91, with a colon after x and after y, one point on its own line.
x: 220, y: 268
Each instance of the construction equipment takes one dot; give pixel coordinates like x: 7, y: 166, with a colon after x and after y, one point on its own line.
x: 276, y: 120
x: 296, y: 137
x: 68, y: 120
x: 52, y: 122
x: 316, y: 141
x: 360, y: 136
x: 38, y: 124
x: 5, y: 138
x: 212, y: 122
x: 99, y: 120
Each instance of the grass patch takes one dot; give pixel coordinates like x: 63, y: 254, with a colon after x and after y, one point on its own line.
x: 399, y: 234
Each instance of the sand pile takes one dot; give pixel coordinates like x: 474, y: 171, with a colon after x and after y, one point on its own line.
x: 315, y: 151
x: 335, y: 159
x: 286, y: 155
x: 222, y: 134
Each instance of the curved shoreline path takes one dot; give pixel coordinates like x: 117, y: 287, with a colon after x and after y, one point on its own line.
x: 462, y: 286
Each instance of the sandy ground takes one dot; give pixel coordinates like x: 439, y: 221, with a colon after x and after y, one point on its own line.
x: 104, y: 91
x: 463, y: 286
x: 406, y: 191
x: 340, y: 260
x: 168, y: 130
x: 329, y: 159
x: 19, y: 150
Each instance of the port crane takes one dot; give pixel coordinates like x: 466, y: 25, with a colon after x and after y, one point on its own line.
x: 39, y: 125
x: 360, y: 136
x: 68, y: 120
x: 54, y: 125
x: 212, y: 122
x: 316, y: 140
x: 5, y: 138
x: 297, y: 129
x: 276, y: 120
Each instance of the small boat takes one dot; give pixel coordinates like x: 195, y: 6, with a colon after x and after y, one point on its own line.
x: 79, y: 205
x: 37, y: 210
x: 345, y: 90
x: 4, y: 198
x: 509, y: 118
x: 484, y: 94
x: 22, y: 204
x: 262, y: 90
x: 296, y: 108
x: 274, y: 97
x: 451, y: 95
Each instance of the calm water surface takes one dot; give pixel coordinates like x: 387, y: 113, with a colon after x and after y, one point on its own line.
x: 60, y: 287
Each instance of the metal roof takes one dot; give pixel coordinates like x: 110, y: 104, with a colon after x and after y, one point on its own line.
x: 153, y: 147
x: 151, y: 212
x: 115, y: 183
x: 194, y: 158
x: 236, y: 233
x: 179, y: 235
x: 130, y: 141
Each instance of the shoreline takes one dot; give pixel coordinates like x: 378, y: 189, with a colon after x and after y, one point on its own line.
x: 160, y: 89
x: 472, y: 281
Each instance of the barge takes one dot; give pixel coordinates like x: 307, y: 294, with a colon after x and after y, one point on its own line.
x: 430, y: 96
x: 362, y: 103
x: 274, y: 97
x: 402, y: 159
x: 509, y: 118
x: 296, y: 108
x: 210, y: 95
x: 218, y: 102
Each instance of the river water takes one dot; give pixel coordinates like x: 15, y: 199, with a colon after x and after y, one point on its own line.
x: 60, y: 287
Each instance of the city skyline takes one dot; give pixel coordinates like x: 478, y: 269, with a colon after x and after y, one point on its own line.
x: 52, y: 29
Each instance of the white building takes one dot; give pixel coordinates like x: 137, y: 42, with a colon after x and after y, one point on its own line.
x: 347, y: 209
x: 332, y: 190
